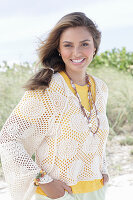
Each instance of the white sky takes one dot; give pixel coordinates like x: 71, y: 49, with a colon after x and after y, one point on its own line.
x: 22, y: 22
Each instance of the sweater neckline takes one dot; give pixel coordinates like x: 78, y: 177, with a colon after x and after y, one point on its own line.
x: 71, y: 93
x: 77, y: 85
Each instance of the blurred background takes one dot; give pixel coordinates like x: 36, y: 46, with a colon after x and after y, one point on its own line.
x: 24, y: 23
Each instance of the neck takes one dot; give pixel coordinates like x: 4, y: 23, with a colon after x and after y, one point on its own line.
x: 78, y: 77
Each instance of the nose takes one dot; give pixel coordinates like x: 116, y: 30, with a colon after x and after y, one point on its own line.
x: 76, y: 51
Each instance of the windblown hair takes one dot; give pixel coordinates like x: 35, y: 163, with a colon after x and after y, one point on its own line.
x: 48, y: 50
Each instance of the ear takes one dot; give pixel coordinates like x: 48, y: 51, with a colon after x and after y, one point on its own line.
x: 59, y: 51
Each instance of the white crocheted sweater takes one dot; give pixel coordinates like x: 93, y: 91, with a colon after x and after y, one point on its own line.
x: 52, y: 126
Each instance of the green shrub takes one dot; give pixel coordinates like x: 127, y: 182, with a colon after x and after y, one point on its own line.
x: 120, y: 59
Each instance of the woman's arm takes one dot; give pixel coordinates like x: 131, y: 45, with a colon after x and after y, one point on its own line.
x: 104, y: 170
x: 19, y: 139
x: 104, y: 166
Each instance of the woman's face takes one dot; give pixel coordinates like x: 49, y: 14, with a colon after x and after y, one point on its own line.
x: 76, y: 48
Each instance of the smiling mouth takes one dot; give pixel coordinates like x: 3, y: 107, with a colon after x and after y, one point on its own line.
x: 76, y: 61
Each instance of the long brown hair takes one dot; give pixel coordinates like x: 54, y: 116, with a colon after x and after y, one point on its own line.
x: 48, y: 54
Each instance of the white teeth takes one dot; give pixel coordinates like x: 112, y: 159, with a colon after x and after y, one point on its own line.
x: 78, y: 61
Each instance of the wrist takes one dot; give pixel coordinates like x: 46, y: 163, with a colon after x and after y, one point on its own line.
x: 45, y: 179
x: 42, y: 178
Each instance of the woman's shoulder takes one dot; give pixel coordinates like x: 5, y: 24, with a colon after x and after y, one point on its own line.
x: 32, y: 94
x: 57, y: 77
x: 100, y: 83
x: 102, y: 87
x: 57, y: 81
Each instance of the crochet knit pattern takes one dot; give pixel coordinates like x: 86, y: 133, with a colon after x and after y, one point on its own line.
x: 52, y: 125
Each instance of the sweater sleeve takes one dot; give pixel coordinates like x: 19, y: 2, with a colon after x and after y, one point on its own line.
x: 19, y: 139
x: 104, y: 166
x: 105, y: 94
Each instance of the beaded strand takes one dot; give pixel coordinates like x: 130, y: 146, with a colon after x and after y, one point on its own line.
x: 89, y: 97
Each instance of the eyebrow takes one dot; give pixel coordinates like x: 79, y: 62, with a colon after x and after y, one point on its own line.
x: 80, y: 41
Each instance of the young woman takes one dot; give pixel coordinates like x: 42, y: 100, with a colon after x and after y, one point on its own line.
x: 62, y: 119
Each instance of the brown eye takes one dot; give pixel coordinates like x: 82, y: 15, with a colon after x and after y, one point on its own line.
x: 67, y: 45
x: 85, y: 44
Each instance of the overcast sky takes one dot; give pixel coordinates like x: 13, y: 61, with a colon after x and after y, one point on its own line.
x: 23, y: 22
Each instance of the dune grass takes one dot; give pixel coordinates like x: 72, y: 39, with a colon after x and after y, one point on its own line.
x: 120, y: 99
